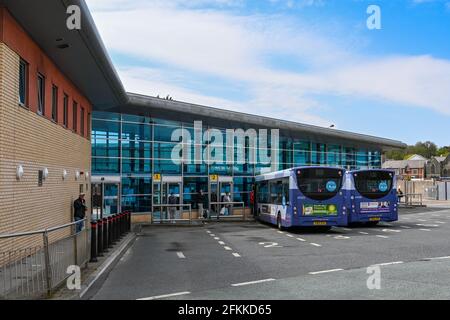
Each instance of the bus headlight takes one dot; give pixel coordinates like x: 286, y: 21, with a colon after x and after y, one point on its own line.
x: 295, y: 210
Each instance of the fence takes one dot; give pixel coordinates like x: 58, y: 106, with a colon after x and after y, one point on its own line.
x: 412, y: 200
x: 33, y: 272
x: 166, y: 215
x: 230, y: 208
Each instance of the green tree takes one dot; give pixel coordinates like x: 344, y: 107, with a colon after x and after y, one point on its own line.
x: 443, y: 151
x: 426, y: 149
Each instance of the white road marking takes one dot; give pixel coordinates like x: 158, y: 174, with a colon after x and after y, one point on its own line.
x: 221, y: 243
x: 290, y: 235
x: 427, y: 225
x: 315, y: 244
x: 388, y: 263
x: 251, y: 282
x: 300, y: 239
x: 346, y: 229
x: 438, y: 258
x: 384, y: 237
x: 440, y: 222
x: 166, y: 295
x: 237, y: 255
x: 391, y: 230
x: 207, y: 231
x: 227, y: 248
x: 212, y: 235
x: 362, y: 232
x: 181, y: 255
x: 421, y: 220
x: 424, y: 229
x: 216, y: 238
x: 280, y: 232
x: 341, y: 237
x: 325, y: 271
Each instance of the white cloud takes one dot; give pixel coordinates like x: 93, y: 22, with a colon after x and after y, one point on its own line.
x: 235, y: 48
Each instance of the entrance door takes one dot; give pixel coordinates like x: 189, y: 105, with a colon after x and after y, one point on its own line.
x: 218, y: 188
x: 105, y: 196
x: 162, y: 191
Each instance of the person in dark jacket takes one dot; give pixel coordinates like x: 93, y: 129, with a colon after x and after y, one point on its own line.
x: 173, y: 209
x: 79, y: 212
x: 202, y: 202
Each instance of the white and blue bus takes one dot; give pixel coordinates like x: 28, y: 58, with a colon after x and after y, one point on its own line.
x: 371, y: 196
x: 302, y: 196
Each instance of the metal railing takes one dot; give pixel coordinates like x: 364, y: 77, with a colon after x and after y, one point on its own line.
x: 411, y: 200
x: 164, y: 215
x: 230, y: 207
x: 34, y: 271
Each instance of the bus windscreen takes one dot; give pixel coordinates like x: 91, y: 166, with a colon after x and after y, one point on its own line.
x: 373, y: 184
x: 319, y: 183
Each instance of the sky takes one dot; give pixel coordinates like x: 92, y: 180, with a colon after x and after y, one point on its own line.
x: 309, y: 61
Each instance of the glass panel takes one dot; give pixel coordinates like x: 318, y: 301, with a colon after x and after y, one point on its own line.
x: 136, y: 149
x: 134, y: 131
x: 135, y: 118
x: 164, y: 133
x: 136, y: 186
x: 243, y: 184
x: 195, y: 169
x: 137, y: 203
x: 164, y: 150
x: 105, y: 148
x: 318, y: 154
x: 192, y: 185
x: 105, y: 115
x: 137, y: 166
x: 302, y: 154
x: 105, y: 129
x: 105, y: 165
x: 362, y: 160
x: 334, y: 155
x: 166, y: 167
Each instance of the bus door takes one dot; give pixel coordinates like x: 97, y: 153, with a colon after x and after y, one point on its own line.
x: 105, y: 196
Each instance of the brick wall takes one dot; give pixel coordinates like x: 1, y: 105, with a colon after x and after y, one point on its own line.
x: 35, y: 142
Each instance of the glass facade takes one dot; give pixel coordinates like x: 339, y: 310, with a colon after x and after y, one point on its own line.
x: 136, y: 148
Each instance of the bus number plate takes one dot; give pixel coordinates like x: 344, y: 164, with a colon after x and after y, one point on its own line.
x: 374, y: 219
x: 320, y: 223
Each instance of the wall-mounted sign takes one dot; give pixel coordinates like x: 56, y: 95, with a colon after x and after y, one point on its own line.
x: 214, y: 178
x: 157, y: 177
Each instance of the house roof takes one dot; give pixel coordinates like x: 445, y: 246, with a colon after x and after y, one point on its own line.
x: 401, y: 164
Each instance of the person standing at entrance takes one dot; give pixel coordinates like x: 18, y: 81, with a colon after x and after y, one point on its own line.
x: 79, y: 212
x: 173, y: 200
x: 202, y: 203
x: 227, y: 200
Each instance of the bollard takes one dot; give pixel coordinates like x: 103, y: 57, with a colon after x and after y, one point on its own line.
x: 110, y: 240
x: 121, y: 225
x: 114, y: 228
x: 100, y: 238
x: 93, y: 242
x: 105, y: 235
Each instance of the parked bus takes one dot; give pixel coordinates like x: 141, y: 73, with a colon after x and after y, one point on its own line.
x: 371, y: 196
x: 303, y: 196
